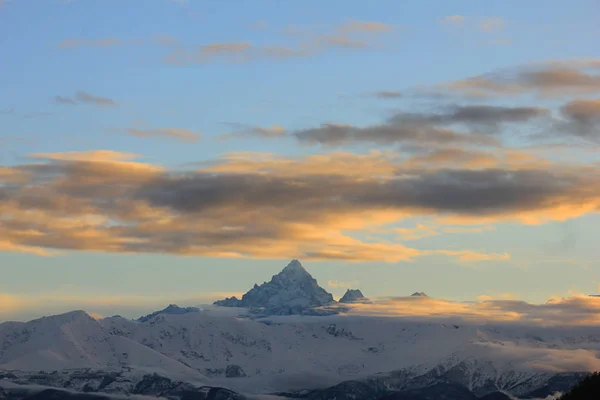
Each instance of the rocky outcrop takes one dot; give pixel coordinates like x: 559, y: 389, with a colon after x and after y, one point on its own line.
x: 234, y: 371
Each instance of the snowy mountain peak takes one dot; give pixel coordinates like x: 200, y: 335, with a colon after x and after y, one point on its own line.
x: 295, y: 266
x: 292, y: 275
x: 170, y: 309
x: 292, y: 291
x: 419, y: 294
x: 353, y: 296
x: 76, y: 316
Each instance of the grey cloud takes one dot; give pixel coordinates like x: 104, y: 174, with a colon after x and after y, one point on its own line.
x: 427, y: 128
x: 389, y: 133
x: 462, y: 192
x: 582, y: 118
x: 475, y: 115
x: 546, y: 80
x: 86, y: 98
x: 64, y: 100
x: 243, y: 130
x: 96, y: 100
x: 387, y: 94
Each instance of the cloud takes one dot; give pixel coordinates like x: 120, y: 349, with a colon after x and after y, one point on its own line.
x: 387, y: 94
x: 577, y: 310
x: 104, y: 201
x: 105, y: 42
x: 478, y: 115
x: 499, y: 296
x: 418, y: 232
x: 99, y: 101
x: 267, y: 132
x: 450, y: 125
x: 582, y: 118
x: 64, y: 100
x: 83, y: 97
x: 341, y: 284
x: 182, y: 135
x: 550, y: 79
x: 421, y: 231
x: 90, y: 156
x: 387, y: 133
x: 352, y: 35
x: 354, y: 26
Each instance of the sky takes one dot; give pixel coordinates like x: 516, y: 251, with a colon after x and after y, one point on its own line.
x: 166, y: 151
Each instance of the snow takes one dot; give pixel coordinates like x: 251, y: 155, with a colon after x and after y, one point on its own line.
x: 76, y: 340
x: 294, y: 352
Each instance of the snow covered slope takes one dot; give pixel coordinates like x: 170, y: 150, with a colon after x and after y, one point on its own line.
x: 76, y: 340
x: 286, y: 353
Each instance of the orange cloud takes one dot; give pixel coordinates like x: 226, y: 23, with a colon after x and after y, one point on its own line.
x: 266, y: 206
x: 577, y: 310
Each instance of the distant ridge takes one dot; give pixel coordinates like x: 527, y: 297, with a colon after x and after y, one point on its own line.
x: 172, y: 309
x: 419, y: 294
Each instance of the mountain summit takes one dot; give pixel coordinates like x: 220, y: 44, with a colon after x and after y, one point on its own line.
x: 292, y: 291
x: 353, y: 296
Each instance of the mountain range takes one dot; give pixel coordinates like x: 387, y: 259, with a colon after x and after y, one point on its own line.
x: 207, y: 353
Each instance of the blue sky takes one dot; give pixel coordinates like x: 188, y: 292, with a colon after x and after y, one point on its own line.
x: 111, y: 63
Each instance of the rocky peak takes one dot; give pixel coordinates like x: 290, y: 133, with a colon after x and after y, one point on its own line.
x: 292, y: 291
x: 353, y: 296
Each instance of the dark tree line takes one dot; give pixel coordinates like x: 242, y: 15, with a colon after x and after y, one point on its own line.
x: 587, y: 389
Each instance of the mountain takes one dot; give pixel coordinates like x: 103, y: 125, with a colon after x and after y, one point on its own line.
x: 347, y: 356
x: 170, y: 309
x: 292, y: 291
x: 353, y: 296
x: 75, y: 340
x: 419, y: 294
